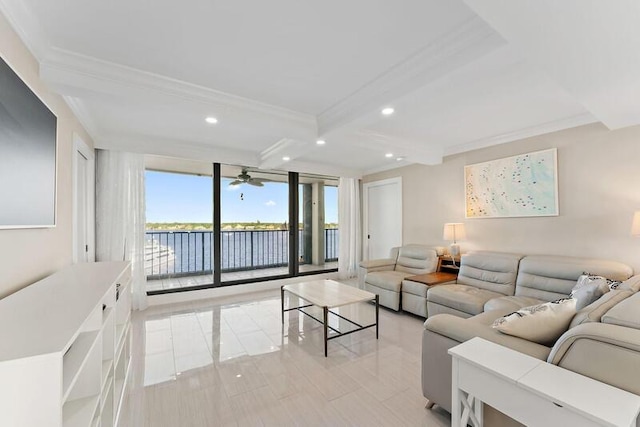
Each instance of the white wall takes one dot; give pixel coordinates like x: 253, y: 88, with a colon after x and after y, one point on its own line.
x: 599, y: 189
x: 28, y: 255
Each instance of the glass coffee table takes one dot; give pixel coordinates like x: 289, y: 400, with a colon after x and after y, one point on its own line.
x: 327, y: 295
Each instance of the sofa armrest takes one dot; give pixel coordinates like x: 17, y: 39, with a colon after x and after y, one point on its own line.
x: 376, y: 263
x: 383, y: 264
x: 607, y: 353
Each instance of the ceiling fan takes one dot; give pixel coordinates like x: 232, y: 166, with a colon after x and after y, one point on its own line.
x: 245, y: 178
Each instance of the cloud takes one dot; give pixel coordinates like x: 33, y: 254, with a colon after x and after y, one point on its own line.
x: 270, y: 203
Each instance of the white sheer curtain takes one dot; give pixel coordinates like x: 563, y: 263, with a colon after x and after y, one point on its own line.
x: 349, y: 222
x: 120, y: 215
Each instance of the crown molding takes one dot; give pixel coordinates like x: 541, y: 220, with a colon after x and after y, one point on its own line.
x: 26, y: 25
x: 79, y: 109
x: 468, y: 42
x: 411, y: 151
x: 73, y: 70
x: 543, y: 128
x: 176, y: 148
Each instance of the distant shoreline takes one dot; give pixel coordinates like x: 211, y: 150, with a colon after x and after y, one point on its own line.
x: 198, y: 226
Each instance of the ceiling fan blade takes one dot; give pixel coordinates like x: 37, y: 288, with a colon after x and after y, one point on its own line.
x: 236, y: 182
x: 255, y: 183
x: 259, y: 180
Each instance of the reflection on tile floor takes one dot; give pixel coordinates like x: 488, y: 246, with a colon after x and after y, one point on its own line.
x: 229, y: 362
x: 187, y: 281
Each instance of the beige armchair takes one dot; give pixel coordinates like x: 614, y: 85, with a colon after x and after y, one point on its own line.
x: 384, y: 276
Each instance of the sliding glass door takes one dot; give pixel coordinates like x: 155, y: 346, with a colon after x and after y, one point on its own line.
x: 179, y: 231
x: 254, y: 224
x: 317, y: 223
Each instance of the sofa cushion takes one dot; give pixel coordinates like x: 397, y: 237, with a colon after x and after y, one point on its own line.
x: 542, y: 323
x: 416, y: 259
x: 493, y: 271
x: 626, y: 313
x: 468, y: 299
x: 461, y: 330
x: 415, y: 288
x: 549, y: 277
x: 594, y: 311
x: 390, y: 280
x: 488, y: 317
x: 511, y: 303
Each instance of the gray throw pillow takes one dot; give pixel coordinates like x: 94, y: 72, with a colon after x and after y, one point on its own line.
x: 585, y: 295
x: 588, y: 289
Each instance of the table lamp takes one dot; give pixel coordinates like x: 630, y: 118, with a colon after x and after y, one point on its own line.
x: 454, y: 231
x: 635, y: 225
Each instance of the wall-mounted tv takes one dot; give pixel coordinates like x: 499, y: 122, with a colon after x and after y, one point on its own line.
x: 27, y: 155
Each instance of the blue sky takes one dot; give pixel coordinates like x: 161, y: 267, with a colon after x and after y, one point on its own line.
x: 173, y: 197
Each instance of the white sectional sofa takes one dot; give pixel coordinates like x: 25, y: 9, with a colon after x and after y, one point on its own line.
x: 603, y: 340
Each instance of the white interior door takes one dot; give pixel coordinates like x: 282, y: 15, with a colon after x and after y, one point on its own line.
x: 82, y: 243
x: 83, y: 202
x: 382, y: 217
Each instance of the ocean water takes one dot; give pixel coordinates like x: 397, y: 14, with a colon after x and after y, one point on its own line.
x: 178, y: 252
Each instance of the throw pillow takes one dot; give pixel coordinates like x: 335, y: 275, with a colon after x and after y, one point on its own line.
x: 542, y: 323
x: 588, y: 289
x: 587, y: 278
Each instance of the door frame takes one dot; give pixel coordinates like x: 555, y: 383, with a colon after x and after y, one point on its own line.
x: 365, y: 209
x: 79, y: 146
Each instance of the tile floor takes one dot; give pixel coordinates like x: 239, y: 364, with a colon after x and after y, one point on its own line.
x: 230, y: 362
x: 182, y: 282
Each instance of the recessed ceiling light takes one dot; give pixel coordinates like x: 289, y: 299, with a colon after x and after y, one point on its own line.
x: 321, y: 142
x: 387, y: 111
x: 388, y: 155
x: 399, y: 159
x: 286, y: 158
x: 211, y: 120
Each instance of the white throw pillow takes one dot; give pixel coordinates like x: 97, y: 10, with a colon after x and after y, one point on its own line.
x: 542, y: 323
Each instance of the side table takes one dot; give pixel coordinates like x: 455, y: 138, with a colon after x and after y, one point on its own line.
x: 447, y: 263
x: 531, y: 391
x: 415, y: 288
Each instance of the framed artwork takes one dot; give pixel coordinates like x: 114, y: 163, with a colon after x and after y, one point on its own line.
x: 518, y: 186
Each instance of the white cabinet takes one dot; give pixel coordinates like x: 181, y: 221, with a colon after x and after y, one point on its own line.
x: 531, y: 391
x: 65, y: 348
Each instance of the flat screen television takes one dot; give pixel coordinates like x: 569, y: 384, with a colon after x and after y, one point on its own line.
x: 27, y: 155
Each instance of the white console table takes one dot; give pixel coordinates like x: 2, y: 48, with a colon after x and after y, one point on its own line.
x: 531, y: 391
x: 65, y: 348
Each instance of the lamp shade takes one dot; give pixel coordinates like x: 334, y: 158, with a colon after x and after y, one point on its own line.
x: 454, y: 231
x: 635, y: 225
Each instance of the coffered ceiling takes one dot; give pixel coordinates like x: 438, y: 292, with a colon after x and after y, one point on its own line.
x: 142, y: 75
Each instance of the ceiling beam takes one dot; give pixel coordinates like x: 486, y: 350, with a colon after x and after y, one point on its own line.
x: 77, y: 75
x: 466, y: 43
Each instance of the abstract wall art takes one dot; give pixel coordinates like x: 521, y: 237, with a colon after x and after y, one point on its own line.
x: 523, y: 185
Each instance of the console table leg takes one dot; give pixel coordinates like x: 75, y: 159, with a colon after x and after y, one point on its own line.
x: 456, y: 420
x: 326, y: 320
x: 282, y: 302
x: 377, y: 313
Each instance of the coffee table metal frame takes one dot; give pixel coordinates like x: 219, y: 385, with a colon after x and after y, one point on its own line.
x: 299, y: 292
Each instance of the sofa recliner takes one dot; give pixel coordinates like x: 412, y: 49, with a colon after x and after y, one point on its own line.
x: 589, y: 347
x: 483, y: 276
x: 384, y: 277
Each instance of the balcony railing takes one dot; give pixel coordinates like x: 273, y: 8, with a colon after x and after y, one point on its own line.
x: 185, y: 253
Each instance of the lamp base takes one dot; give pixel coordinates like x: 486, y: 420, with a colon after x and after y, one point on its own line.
x: 454, y: 250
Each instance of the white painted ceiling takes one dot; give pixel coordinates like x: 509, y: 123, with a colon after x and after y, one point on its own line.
x: 142, y: 75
